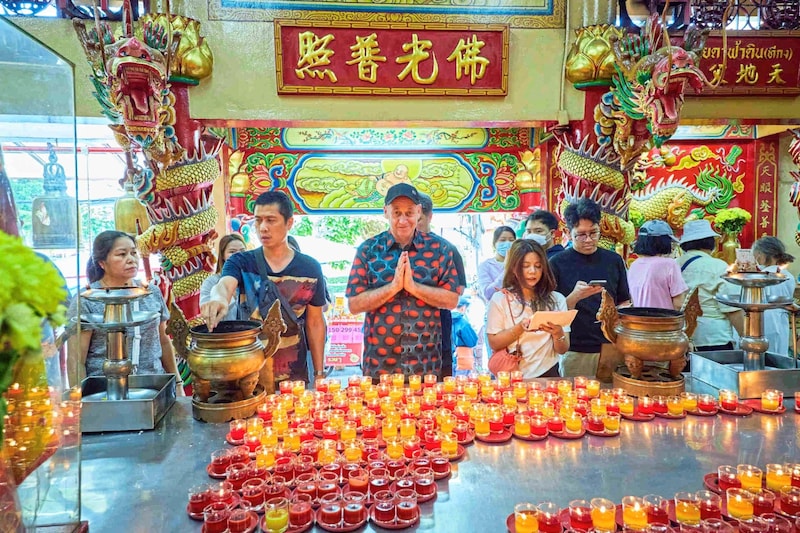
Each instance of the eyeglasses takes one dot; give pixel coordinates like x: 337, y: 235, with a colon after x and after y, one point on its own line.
x: 586, y: 236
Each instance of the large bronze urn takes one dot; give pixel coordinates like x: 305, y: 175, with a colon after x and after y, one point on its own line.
x: 226, y: 364
x: 650, y: 333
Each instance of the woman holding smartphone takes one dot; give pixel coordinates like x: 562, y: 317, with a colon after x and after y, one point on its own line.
x: 528, y: 287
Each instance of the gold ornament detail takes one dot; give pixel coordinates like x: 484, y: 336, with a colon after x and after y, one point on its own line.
x: 193, y: 58
x: 591, y: 57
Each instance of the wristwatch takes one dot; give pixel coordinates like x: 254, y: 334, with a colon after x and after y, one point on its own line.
x: 319, y: 373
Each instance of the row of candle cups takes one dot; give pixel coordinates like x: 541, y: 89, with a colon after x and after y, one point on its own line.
x: 752, y: 477
x: 698, y: 512
x: 771, y: 399
x: 744, y: 504
x: 280, y: 514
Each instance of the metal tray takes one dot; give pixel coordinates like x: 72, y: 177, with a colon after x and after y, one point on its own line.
x: 723, y: 369
x: 100, y: 415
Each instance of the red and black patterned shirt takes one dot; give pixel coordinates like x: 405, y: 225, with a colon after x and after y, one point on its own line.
x: 404, y: 334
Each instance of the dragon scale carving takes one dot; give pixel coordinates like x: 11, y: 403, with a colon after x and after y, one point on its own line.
x: 140, y: 79
x: 641, y: 110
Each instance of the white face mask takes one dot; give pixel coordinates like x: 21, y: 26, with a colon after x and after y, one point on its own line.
x: 502, y: 248
x: 541, y: 240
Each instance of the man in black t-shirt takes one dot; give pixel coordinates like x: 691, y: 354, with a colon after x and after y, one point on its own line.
x: 590, y: 352
x: 297, y: 277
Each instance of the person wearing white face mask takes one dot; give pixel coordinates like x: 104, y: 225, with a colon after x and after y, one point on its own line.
x: 490, y: 272
x: 541, y: 227
x: 771, y: 256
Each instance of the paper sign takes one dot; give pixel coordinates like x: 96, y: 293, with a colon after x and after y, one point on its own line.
x: 559, y: 318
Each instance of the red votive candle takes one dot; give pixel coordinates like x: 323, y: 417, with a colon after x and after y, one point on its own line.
x: 554, y: 424
x: 538, y: 426
x: 215, y: 517
x: 645, y: 405
x: 199, y: 498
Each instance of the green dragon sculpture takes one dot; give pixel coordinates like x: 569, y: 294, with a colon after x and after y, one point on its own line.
x: 640, y: 111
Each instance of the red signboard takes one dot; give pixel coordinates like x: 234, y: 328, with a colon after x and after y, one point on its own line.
x: 345, y: 343
x: 758, y: 63
x: 391, y: 58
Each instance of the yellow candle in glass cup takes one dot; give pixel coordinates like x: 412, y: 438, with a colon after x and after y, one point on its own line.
x: 448, y: 422
x: 280, y: 425
x: 597, y: 407
x: 592, y: 388
x: 449, y: 384
x: 687, y: 508
x: 398, y: 380
x: 396, y: 395
x: 750, y: 476
x: 770, y: 401
x: 778, y: 476
x: 520, y: 389
x: 566, y: 408
x: 626, y: 405
x: 674, y: 405
x: 336, y: 418
x: 603, y: 515
x: 471, y: 389
x: 355, y: 405
x: 301, y: 409
x: 327, y: 452
x: 548, y: 409
x: 365, y: 383
x: 368, y: 417
x: 522, y: 425
x: 292, y: 439
x: 334, y: 384
x: 611, y: 422
x: 487, y: 389
x: 298, y: 387
x: 564, y: 386
x: 509, y: 399
x: 634, y: 513
x: 414, y: 405
x: 573, y: 423
x: 388, y: 429
x: 526, y: 518
x: 353, y: 451
x: 503, y: 379
x: 269, y: 437
x: 415, y: 382
x: 482, y: 424
x: 535, y: 397
x: 265, y: 456
x: 394, y: 447
x: 348, y: 431
x: 740, y: 503
x: 689, y: 400
x: 449, y: 444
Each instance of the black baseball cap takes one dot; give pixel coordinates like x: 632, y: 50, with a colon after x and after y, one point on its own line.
x: 402, y: 189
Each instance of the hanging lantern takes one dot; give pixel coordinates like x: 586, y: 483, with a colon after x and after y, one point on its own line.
x: 54, y: 215
x: 128, y: 211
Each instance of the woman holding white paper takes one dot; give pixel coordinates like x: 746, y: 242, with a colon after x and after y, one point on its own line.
x: 528, y: 287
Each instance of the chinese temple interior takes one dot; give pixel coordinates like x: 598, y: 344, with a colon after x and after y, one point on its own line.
x: 659, y: 110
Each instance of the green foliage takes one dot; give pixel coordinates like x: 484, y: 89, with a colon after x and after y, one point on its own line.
x: 340, y: 229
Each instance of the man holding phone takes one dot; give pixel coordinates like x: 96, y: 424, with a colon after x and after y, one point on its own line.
x: 582, y: 272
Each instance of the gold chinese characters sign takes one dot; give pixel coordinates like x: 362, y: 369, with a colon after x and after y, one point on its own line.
x: 391, y: 58
x: 758, y: 63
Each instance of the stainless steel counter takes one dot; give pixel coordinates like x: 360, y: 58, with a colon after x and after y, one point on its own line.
x: 138, y: 481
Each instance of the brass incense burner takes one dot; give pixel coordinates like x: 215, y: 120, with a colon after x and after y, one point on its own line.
x: 650, y: 334
x: 232, y: 366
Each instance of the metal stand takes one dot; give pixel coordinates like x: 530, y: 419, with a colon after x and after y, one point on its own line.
x: 110, y: 403
x: 752, y: 369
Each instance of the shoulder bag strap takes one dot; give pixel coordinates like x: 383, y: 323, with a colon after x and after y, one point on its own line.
x: 511, y: 314
x: 261, y: 261
x: 690, y: 261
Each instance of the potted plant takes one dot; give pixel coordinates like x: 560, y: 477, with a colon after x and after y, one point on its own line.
x: 730, y: 222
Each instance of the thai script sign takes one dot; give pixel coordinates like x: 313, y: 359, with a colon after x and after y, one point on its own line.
x: 758, y: 63
x: 391, y: 58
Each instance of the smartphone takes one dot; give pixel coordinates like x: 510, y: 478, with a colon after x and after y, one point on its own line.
x: 598, y: 283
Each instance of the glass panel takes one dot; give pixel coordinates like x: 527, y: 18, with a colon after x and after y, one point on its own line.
x: 38, y: 146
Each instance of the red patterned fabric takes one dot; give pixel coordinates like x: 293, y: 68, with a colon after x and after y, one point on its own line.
x: 404, y: 334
